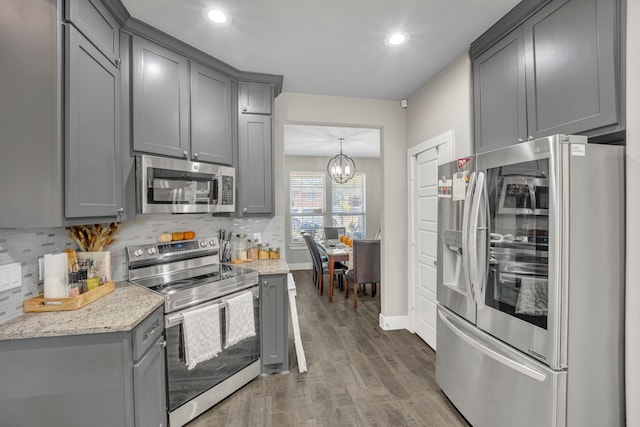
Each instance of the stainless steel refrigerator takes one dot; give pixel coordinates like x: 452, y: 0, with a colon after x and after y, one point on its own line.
x: 531, y: 284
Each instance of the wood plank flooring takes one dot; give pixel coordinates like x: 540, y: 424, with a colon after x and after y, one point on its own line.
x: 358, y: 374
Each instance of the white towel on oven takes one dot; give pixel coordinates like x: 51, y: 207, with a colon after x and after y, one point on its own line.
x: 201, y: 329
x: 240, y: 324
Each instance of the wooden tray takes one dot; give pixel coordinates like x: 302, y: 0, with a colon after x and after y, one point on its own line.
x: 40, y: 303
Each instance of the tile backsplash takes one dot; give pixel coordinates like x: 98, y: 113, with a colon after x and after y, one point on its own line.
x: 26, y: 245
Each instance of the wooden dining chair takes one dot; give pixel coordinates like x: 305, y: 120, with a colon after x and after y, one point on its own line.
x: 332, y: 233
x: 366, y: 268
x: 321, y: 267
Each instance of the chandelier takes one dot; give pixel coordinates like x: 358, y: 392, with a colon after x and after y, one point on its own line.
x: 341, y: 167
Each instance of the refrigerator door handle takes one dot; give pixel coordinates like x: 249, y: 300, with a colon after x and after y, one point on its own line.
x: 486, y: 247
x: 477, y: 266
x: 523, y: 369
x: 466, y: 260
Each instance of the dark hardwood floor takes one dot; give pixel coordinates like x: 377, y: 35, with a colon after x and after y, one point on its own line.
x: 358, y: 374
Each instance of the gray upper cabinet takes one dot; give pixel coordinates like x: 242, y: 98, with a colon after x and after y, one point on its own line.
x: 160, y: 100
x: 211, y: 116
x: 557, y: 72
x: 255, y: 165
x: 95, y: 21
x: 255, y: 98
x: 499, y: 94
x: 93, y: 186
x: 571, y: 67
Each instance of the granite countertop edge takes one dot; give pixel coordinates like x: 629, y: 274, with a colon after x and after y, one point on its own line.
x: 120, y: 311
x: 267, y: 266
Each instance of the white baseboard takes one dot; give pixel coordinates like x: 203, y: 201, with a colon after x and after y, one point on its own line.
x: 393, y: 323
x: 301, y: 266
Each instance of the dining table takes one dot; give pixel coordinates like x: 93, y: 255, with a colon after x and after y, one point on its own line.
x: 336, y: 252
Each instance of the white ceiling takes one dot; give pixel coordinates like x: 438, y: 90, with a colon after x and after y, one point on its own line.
x: 330, y: 47
x: 322, y: 141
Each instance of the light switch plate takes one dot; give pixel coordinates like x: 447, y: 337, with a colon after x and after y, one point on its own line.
x: 10, y: 276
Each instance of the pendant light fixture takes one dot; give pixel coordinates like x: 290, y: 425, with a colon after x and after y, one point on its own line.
x: 341, y: 167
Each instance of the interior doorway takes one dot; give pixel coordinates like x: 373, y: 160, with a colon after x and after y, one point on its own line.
x: 423, y: 161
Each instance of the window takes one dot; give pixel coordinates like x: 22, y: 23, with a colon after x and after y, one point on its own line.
x: 348, y: 205
x: 310, y: 193
x: 307, y: 198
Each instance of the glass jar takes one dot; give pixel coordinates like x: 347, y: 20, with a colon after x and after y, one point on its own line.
x: 252, y: 251
x: 263, y: 251
x: 240, y: 246
x: 274, y: 253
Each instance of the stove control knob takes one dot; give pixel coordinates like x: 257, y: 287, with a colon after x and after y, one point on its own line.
x: 203, y: 243
x: 151, y: 251
x: 212, y: 242
x: 138, y: 252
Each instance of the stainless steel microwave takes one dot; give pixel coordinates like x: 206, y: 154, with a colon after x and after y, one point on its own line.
x: 524, y: 195
x: 178, y: 186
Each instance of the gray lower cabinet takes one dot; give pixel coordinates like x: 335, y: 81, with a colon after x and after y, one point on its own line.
x: 274, y: 315
x: 255, y: 164
x: 558, y: 72
x: 84, y: 380
x: 211, y: 116
x: 499, y: 98
x: 93, y: 175
x: 160, y: 87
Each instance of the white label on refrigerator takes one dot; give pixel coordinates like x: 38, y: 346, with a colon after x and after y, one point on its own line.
x: 444, y: 188
x: 459, y: 185
x: 578, y: 150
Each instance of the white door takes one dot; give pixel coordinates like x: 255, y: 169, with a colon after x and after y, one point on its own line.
x: 425, y: 198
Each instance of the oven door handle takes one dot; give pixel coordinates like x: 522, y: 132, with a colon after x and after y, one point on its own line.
x: 174, y: 319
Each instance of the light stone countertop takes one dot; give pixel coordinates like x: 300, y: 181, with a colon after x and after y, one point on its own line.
x: 267, y: 266
x: 119, y: 311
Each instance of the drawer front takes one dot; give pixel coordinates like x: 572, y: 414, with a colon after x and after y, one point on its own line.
x: 97, y: 24
x: 147, y: 332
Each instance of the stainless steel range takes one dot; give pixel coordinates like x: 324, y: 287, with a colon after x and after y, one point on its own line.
x: 190, y: 276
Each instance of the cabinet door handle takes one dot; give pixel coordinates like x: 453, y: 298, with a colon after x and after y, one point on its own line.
x: 244, y: 109
x: 120, y: 210
x: 520, y: 140
x: 117, y: 62
x: 185, y: 154
x: 531, y: 138
x: 163, y: 343
x: 195, y: 155
x: 245, y: 209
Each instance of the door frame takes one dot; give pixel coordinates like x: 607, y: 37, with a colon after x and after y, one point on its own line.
x: 446, y: 141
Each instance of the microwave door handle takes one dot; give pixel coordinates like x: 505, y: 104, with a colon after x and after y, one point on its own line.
x: 532, y: 196
x: 213, y: 192
x: 465, y: 234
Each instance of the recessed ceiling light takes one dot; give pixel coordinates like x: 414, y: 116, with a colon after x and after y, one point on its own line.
x: 397, y: 39
x: 217, y: 16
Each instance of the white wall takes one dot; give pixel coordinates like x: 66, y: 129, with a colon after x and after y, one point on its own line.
x: 371, y: 167
x: 390, y: 119
x: 632, y: 296
x: 443, y: 103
